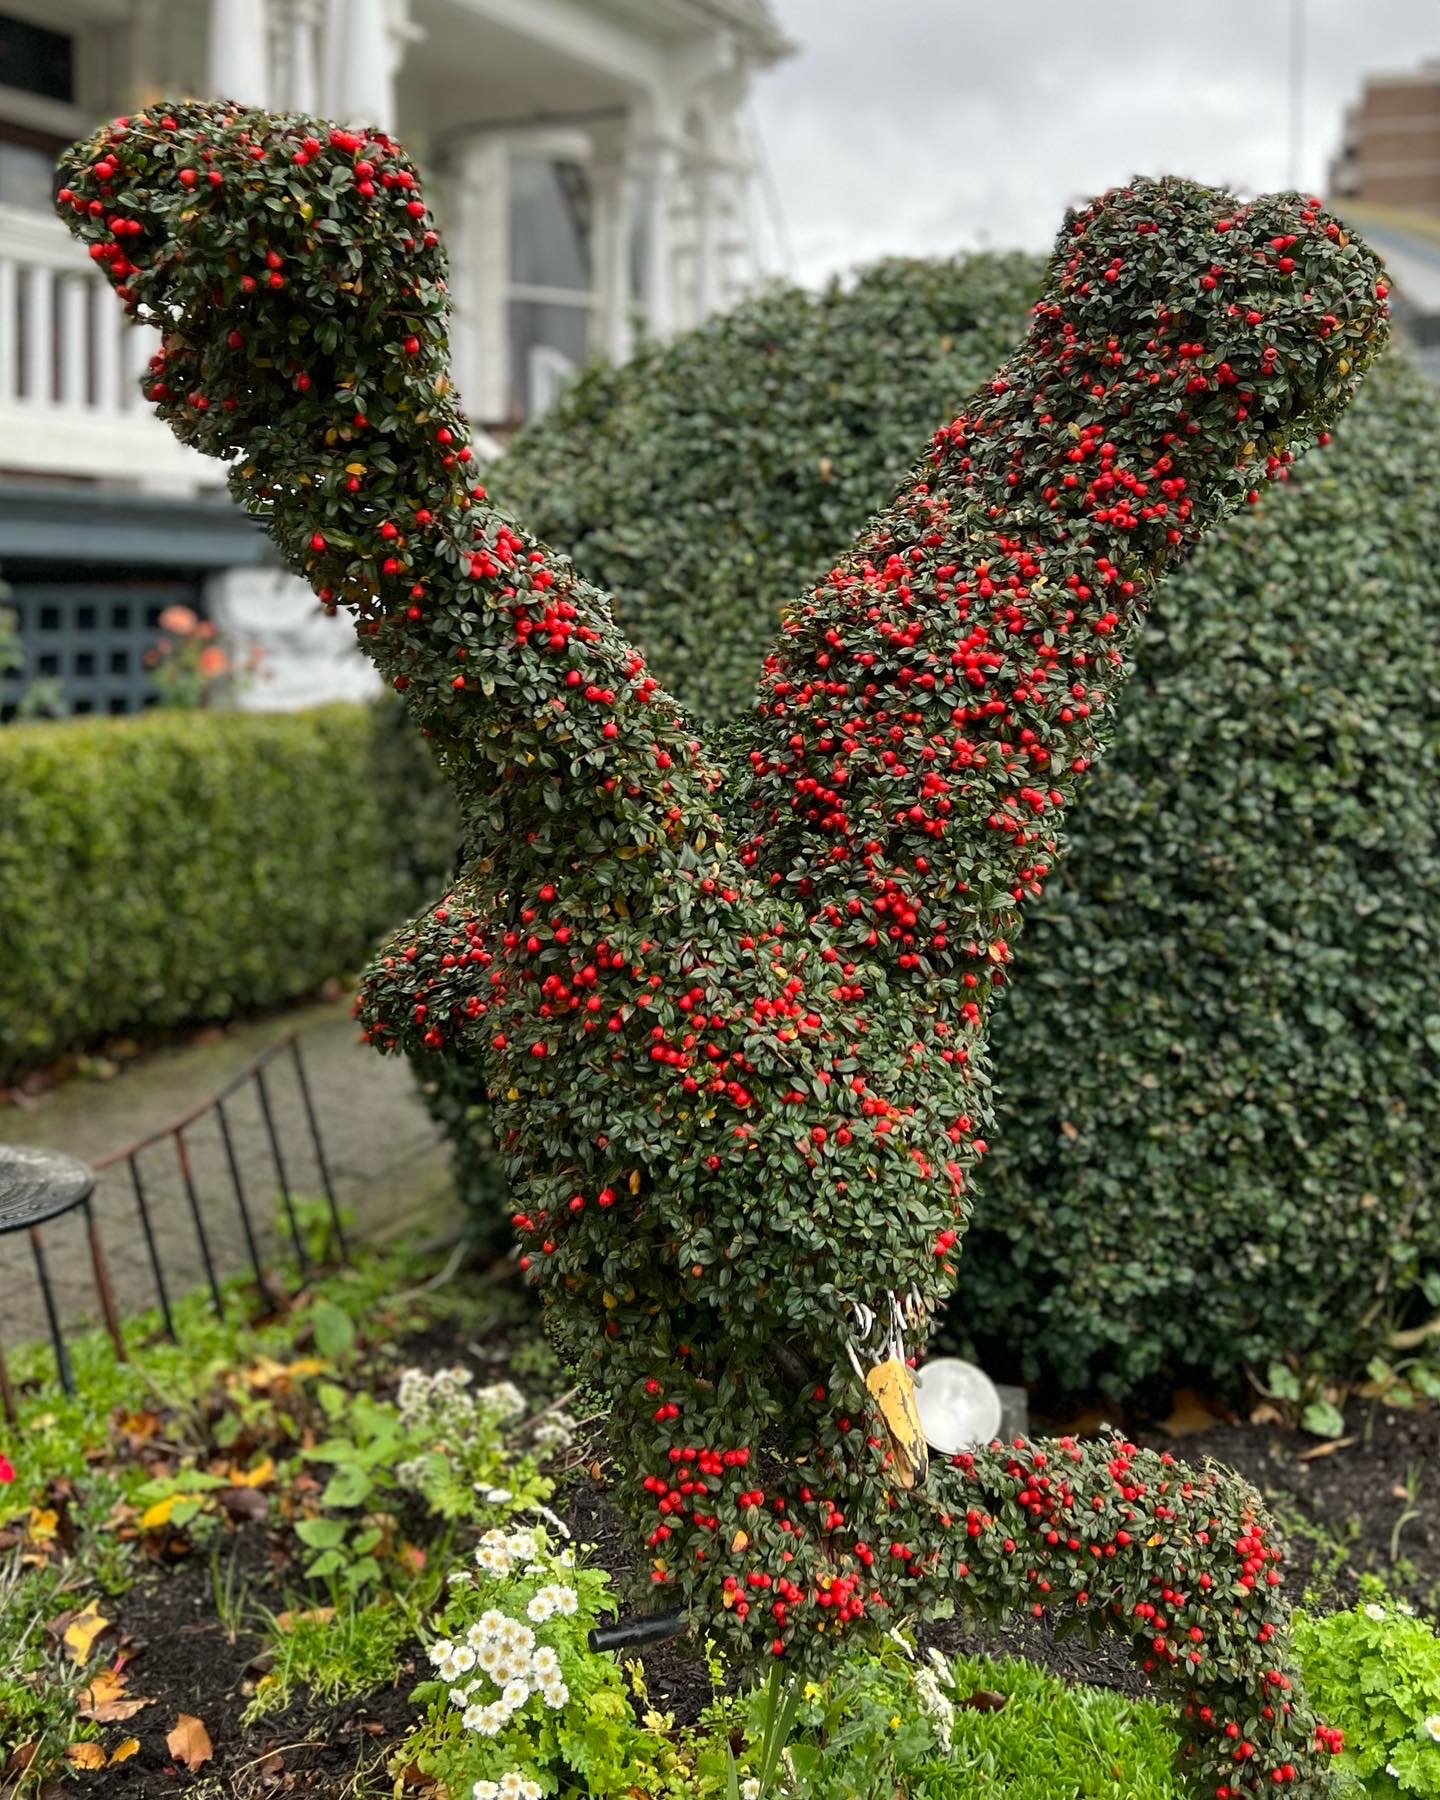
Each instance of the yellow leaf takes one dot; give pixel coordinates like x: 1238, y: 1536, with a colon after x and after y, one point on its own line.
x: 85, y: 1756
x: 893, y: 1388
x: 189, y: 1742
x: 740, y: 1541
x: 123, y: 1752
x: 43, y: 1523
x: 263, y: 1471
x: 157, y: 1515
x: 81, y: 1633
x: 356, y: 468
x: 634, y: 1181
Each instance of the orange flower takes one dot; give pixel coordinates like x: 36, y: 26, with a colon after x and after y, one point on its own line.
x: 178, y: 619
x: 213, y: 662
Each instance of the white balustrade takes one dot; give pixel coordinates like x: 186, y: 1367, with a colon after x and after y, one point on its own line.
x: 69, y: 367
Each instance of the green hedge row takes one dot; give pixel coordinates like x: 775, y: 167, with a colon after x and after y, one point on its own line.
x: 193, y: 865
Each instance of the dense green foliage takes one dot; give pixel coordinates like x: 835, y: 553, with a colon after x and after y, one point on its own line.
x: 715, y: 476
x: 180, y: 866
x: 1377, y: 1669
x: 1218, y: 1086
x: 1221, y: 1075
x: 733, y: 1015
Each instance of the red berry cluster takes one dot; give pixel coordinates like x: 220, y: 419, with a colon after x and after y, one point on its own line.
x: 730, y: 1008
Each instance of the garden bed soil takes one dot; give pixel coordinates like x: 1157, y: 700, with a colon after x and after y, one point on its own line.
x: 1363, y: 1503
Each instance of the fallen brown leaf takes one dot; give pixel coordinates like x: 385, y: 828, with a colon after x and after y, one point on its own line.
x: 124, y: 1751
x: 105, y: 1700
x: 1326, y: 1449
x: 1266, y: 1414
x: 315, y: 1615
x: 985, y: 1700
x: 1192, y: 1412
x: 189, y: 1742
x: 85, y: 1756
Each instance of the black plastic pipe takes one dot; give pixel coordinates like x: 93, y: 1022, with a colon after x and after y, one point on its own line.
x: 629, y: 1634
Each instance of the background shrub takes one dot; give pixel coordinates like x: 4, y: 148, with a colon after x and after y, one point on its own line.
x: 1213, y: 1142
x: 714, y: 478
x: 182, y: 866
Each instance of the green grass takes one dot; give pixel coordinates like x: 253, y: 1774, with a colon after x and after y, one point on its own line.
x: 356, y: 1651
x: 1050, y: 1742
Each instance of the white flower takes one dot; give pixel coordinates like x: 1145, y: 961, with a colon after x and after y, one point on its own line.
x: 541, y: 1607
x: 555, y: 1694
x: 459, y: 1696
x: 521, y: 1638
x: 486, y: 1790
x: 473, y: 1718
x: 516, y: 1694
x: 464, y: 1658
x: 503, y: 1400
x: 493, y: 1496
x: 530, y: 1790
x: 493, y: 1559
x: 450, y: 1667
x: 521, y: 1545
x: 490, y: 1656
x: 439, y: 1650
x: 492, y: 1621
x: 1432, y: 1728
x: 750, y: 1788
x: 1392, y: 1771
x: 545, y: 1663
x: 1372, y: 1611
x: 942, y: 1668
x: 512, y: 1786
x: 565, y: 1600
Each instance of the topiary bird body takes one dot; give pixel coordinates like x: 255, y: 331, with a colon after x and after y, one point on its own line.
x: 731, y: 1011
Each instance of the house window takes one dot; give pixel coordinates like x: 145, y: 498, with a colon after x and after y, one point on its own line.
x: 551, y: 300
x: 35, y: 60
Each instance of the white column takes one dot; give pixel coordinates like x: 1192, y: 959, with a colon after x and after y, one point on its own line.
x: 302, y: 87
x: 237, y: 65
x: 662, y: 169
x: 39, y: 338
x: 9, y: 328
x: 75, y: 293
x: 615, y: 195
x: 109, y: 324
x: 478, y: 235
x: 360, y: 60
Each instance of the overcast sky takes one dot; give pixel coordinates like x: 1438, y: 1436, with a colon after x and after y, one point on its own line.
x: 929, y: 126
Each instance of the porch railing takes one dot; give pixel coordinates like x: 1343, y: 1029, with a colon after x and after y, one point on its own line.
x: 69, y: 366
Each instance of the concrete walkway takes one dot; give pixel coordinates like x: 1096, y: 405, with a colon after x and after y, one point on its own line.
x: 386, y: 1160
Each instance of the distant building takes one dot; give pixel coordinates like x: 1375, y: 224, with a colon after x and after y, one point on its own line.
x: 1389, y: 151
x: 1385, y: 180
x: 589, y: 160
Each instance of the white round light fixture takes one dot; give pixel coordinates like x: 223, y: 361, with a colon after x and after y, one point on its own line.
x: 959, y: 1405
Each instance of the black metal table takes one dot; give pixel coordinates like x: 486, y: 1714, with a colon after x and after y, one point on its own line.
x: 36, y: 1187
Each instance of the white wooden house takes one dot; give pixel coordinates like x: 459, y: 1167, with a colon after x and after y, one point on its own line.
x: 591, y: 162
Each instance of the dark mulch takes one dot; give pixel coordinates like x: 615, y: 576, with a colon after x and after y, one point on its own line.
x: 185, y: 1662
x: 1343, y: 1507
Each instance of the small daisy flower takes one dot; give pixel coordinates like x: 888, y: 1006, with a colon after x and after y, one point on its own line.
x: 450, y: 1667
x: 750, y: 1788
x: 545, y: 1663
x: 473, y: 1718
x: 567, y: 1601
x: 1372, y: 1611
x: 516, y: 1694
x: 485, y: 1790
x: 459, y: 1696
x: 1432, y: 1728
x: 541, y: 1607
x: 530, y: 1790
x: 439, y: 1650
x: 490, y: 1656
x: 555, y: 1694
x: 464, y: 1658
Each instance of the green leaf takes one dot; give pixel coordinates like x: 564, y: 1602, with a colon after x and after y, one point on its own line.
x: 321, y: 1534
x: 334, y: 1330
x: 1323, y: 1419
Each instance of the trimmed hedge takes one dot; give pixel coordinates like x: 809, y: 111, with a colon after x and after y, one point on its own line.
x: 1221, y: 1072
x: 182, y: 866
x: 1219, y: 1080
x: 714, y: 477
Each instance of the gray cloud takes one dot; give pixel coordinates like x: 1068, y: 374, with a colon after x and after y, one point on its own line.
x: 927, y: 126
